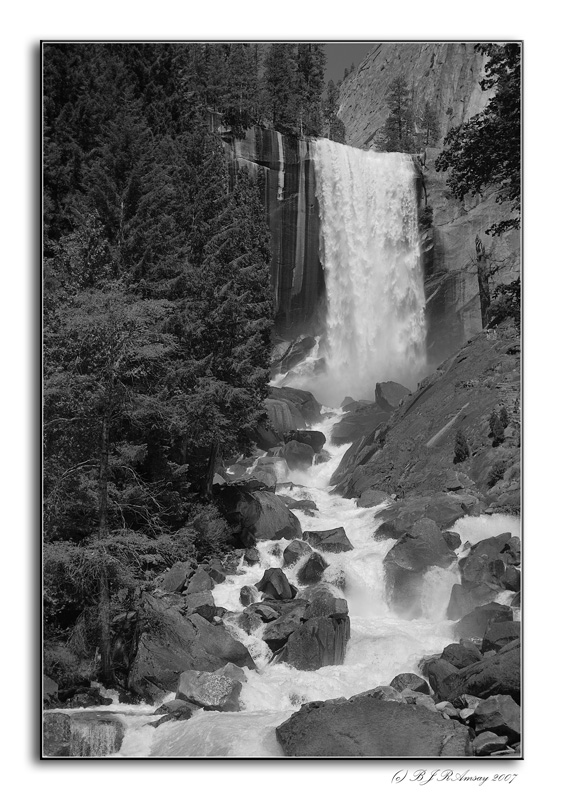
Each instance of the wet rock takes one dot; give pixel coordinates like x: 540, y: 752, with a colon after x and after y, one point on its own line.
x: 373, y: 497
x: 314, y: 439
x: 283, y: 416
x: 447, y: 709
x: 305, y: 402
x: 292, y: 353
x: 95, y: 735
x: 50, y: 692
x: 512, y: 551
x: 365, y: 726
x: 307, y: 506
x: 497, y: 674
x: 275, y: 520
x: 201, y: 603
x: 487, y: 743
x: 444, y: 509
x: 318, y: 642
x: 408, y: 680
x: 463, y: 601
x: 418, y: 699
x: 56, y: 734
x: 460, y: 655
x: 499, y: 714
x: 84, y: 697
x: 248, y: 595
x: 387, y: 693
x: 512, y: 579
x: 323, y: 601
x: 174, y: 579
x: 498, y: 634
x: 476, y: 622
x: 297, y: 455
x: 389, y: 395
x: 295, y: 550
x: 516, y: 602
x: 332, y: 541
x: 265, y: 477
x: 266, y: 612
x: 249, y: 621
x: 275, y: 584
x: 313, y: 569
x: 211, y: 691
x: 174, y: 711
x: 200, y: 581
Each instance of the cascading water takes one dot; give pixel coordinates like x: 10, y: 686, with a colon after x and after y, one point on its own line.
x: 369, y: 248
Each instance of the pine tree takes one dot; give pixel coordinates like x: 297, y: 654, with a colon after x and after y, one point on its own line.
x: 429, y: 125
x: 334, y: 127
x: 280, y: 82
x: 398, y: 133
x: 461, y: 448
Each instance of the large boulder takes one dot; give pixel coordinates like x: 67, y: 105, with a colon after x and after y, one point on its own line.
x: 275, y: 520
x: 241, y: 509
x: 313, y: 569
x: 332, y: 541
x: 209, y: 690
x: 314, y: 439
x: 201, y: 581
x: 461, y: 655
x: 499, y: 714
x: 289, y: 354
x: 324, y: 601
x: 298, y: 455
x: 295, y: 550
x: 496, y: 674
x: 444, y: 509
x: 358, y: 423
x: 174, y: 711
x: 408, y: 680
x: 368, y: 727
x: 463, y: 601
x: 283, y: 416
x: 318, y: 642
x: 499, y: 634
x: 169, y: 643
x: 438, y: 672
x: 373, y: 497
x: 275, y: 584
x: 303, y: 401
x: 174, y: 579
x: 277, y: 633
x: 201, y: 603
x: 476, y: 622
x: 488, y: 743
x: 388, y: 395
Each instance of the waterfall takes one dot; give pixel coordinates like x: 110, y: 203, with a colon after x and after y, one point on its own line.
x: 375, y: 325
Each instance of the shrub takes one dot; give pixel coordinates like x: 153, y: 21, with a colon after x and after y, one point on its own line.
x: 504, y: 417
x: 506, y: 304
x: 496, y: 473
x: 461, y: 448
x: 496, y: 429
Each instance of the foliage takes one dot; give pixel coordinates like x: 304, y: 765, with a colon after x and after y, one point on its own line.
x: 461, y: 448
x: 334, y: 127
x: 486, y: 150
x: 496, y: 472
x: 496, y: 430
x: 504, y: 416
x: 426, y: 217
x: 398, y: 135
x: 429, y: 126
x: 506, y: 304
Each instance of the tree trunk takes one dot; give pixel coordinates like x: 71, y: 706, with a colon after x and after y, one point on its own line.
x: 104, y: 598
x: 483, y: 283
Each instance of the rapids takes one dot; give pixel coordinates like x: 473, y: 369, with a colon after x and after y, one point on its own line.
x: 381, y: 644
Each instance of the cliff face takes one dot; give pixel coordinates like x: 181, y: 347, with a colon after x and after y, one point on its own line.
x: 447, y: 76
x: 286, y: 166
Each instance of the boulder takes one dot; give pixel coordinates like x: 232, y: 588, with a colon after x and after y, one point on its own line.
x: 418, y: 699
x: 56, y: 734
x: 283, y: 416
x: 201, y: 603
x: 452, y: 539
x: 209, y: 690
x: 248, y: 595
x: 488, y: 743
x: 512, y: 551
x: 373, y: 497
x: 200, y: 581
x: 252, y: 556
x: 275, y: 520
x: 332, y: 541
x: 388, y: 395
x: 241, y: 509
x: 314, y: 439
x: 307, y: 506
x: 295, y: 550
x: 512, y: 579
x: 497, y: 674
x: 475, y: 623
x: 265, y: 477
x: 437, y: 672
x: 423, y: 547
x: 318, y: 642
x: 463, y: 601
x: 323, y: 601
x: 358, y: 423
x: 277, y: 633
x: 50, y: 692
x: 291, y: 353
x: 297, y: 455
x: 304, y: 402
x: 499, y: 714
x: 216, y: 570
x: 386, y: 693
x: 408, y: 680
x: 368, y: 727
x: 498, y: 634
x: 169, y: 643
x: 313, y: 569
x: 174, y: 579
x: 264, y: 436
x: 274, y: 583
x: 461, y: 655
x: 266, y: 611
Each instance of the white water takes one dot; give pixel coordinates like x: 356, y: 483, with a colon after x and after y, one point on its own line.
x: 375, y: 326
x: 380, y: 647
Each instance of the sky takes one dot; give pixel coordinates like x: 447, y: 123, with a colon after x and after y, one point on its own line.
x: 343, y: 54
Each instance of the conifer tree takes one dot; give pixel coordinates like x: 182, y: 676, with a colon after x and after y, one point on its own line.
x: 398, y: 132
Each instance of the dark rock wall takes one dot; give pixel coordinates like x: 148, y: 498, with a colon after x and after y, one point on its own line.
x: 286, y: 164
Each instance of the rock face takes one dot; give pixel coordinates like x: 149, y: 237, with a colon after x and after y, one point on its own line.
x: 358, y: 423
x: 447, y: 76
x: 286, y: 164
x: 366, y: 726
x: 389, y: 395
